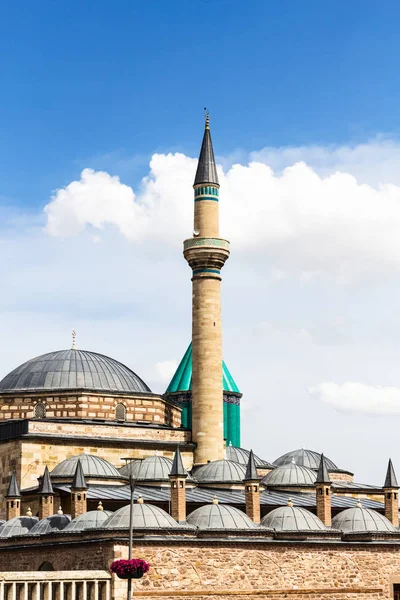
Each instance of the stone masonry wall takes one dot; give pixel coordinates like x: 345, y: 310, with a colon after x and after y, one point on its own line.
x: 150, y: 408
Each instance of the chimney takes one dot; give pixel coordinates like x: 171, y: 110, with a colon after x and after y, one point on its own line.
x: 323, y: 486
x: 252, y: 490
x: 178, y: 478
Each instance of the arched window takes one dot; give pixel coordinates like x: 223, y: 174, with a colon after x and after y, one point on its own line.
x: 46, y: 566
x: 40, y: 410
x: 120, y: 412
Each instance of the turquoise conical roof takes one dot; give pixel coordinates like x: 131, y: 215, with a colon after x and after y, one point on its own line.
x: 182, y: 380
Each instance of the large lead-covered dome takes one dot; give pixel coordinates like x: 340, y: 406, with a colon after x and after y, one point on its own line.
x: 73, y: 369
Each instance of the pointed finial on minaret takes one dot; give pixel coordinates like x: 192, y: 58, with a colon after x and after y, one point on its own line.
x: 73, y: 340
x: 207, y: 116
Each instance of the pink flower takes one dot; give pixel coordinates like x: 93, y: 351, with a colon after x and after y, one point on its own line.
x: 129, y: 567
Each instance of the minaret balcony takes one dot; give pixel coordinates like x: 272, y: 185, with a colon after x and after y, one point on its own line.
x: 206, y: 252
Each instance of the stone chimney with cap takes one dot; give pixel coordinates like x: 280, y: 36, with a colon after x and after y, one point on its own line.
x: 13, y: 498
x: 177, y: 478
x: 323, y: 486
x: 78, y: 492
x: 46, y: 495
x: 252, y: 490
x: 391, y: 491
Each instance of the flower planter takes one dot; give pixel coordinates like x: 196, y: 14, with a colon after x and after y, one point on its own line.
x: 129, y: 569
x: 136, y: 574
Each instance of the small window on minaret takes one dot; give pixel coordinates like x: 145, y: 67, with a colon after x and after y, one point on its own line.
x: 40, y: 410
x: 120, y: 412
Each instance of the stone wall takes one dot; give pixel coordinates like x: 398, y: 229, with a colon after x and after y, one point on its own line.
x: 143, y: 407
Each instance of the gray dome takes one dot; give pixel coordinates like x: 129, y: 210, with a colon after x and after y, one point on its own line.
x: 292, y: 518
x: 220, y: 471
x: 49, y: 524
x: 93, y: 466
x: 219, y: 516
x: 93, y: 518
x: 73, y: 369
x: 360, y: 519
x: 17, y: 526
x: 290, y: 475
x: 241, y: 456
x: 153, y: 468
x: 304, y: 458
x: 145, y: 516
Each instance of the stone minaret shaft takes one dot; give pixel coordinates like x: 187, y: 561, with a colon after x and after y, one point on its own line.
x: 206, y: 254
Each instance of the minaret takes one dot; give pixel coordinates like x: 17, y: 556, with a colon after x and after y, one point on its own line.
x: 46, y: 495
x: 323, y: 486
x: 78, y: 492
x: 391, y: 491
x: 206, y: 254
x: 13, y: 498
x: 177, y: 478
x: 252, y: 490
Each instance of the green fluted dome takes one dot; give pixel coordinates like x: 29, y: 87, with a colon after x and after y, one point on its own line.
x: 182, y: 380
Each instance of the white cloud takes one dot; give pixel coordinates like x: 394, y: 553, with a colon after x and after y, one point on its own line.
x: 354, y: 397
x: 297, y: 222
x: 165, y: 370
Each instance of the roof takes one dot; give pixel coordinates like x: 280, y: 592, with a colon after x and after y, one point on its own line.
x: 241, y: 456
x: 145, y: 516
x: 251, y: 470
x: 216, y: 516
x: 73, y: 369
x: 92, y: 466
x: 17, y: 526
x: 359, y: 519
x: 322, y: 475
x: 13, y: 488
x: 79, y: 481
x: 182, y: 379
x: 290, y: 475
x: 390, y: 479
x: 45, y: 485
x: 51, y: 523
x: 206, y: 168
x: 304, y: 458
x: 88, y: 520
x: 177, y: 468
x: 292, y: 518
x: 220, y: 471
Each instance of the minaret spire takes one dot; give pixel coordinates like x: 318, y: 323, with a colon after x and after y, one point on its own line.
x: 206, y: 254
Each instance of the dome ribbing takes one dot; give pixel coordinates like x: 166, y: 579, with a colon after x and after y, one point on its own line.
x: 73, y: 369
x: 304, y: 458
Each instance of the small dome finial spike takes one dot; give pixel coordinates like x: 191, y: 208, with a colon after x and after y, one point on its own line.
x: 215, y: 500
x: 289, y: 502
x: 73, y: 340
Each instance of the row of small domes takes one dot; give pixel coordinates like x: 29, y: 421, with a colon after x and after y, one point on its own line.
x: 211, y: 516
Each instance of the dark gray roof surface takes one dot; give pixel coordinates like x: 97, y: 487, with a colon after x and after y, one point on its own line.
x: 144, y: 516
x: 359, y: 519
x: 323, y: 475
x: 292, y: 518
x: 216, y: 516
x: 222, y: 471
x: 390, y: 479
x: 304, y: 458
x: 93, y: 466
x: 251, y: 470
x: 17, y: 526
x: 206, y: 169
x: 241, y: 456
x: 13, y: 488
x: 73, y: 369
x: 290, y: 475
x: 45, y: 485
x: 90, y: 519
x: 49, y: 524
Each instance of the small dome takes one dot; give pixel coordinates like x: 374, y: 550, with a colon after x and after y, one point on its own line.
x: 292, y: 518
x: 131, y: 468
x: 241, y: 456
x: 71, y: 370
x: 93, y: 466
x: 153, y: 468
x: 359, y: 519
x: 219, y: 516
x: 49, y: 524
x: 145, y: 516
x: 304, y: 458
x: 290, y: 475
x: 93, y: 518
x: 17, y: 526
x: 221, y: 471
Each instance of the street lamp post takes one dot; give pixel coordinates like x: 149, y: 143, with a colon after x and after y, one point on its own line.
x: 132, y: 484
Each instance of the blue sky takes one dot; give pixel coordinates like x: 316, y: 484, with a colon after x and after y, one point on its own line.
x: 84, y: 80
x: 101, y: 118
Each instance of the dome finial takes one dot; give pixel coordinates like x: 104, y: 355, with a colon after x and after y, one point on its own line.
x: 140, y: 500
x: 100, y: 505
x: 60, y: 511
x: 215, y: 500
x: 289, y: 502
x: 73, y: 340
x: 359, y: 505
x: 207, y: 116
x: 29, y: 512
